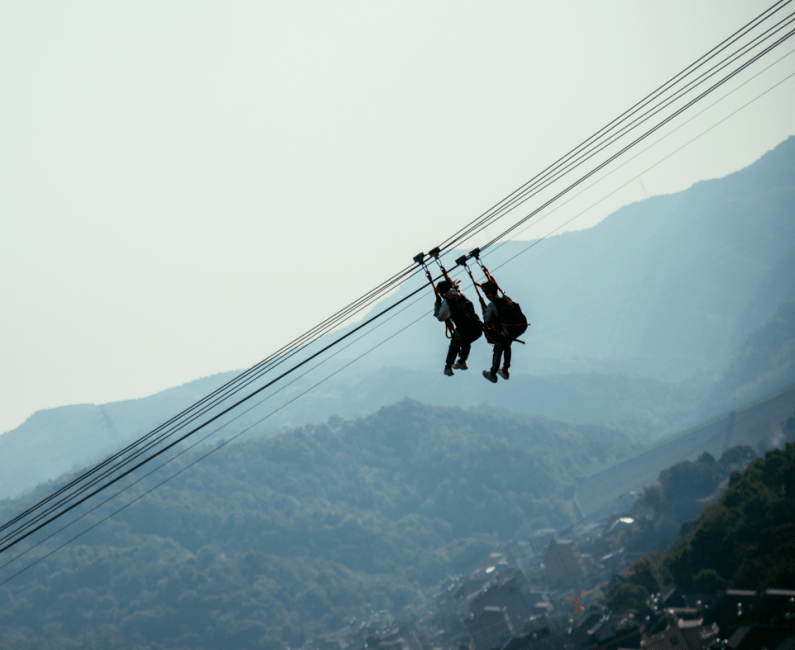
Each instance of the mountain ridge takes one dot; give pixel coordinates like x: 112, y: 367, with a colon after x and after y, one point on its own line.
x: 610, y: 330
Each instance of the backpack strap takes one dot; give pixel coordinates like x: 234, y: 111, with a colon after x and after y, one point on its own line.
x: 420, y: 259
x: 462, y: 261
x: 490, y: 333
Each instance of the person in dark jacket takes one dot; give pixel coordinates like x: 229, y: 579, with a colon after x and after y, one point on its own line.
x: 497, y: 334
x: 455, y: 309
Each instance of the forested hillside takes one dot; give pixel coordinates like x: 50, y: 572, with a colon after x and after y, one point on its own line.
x: 667, y: 507
x: 747, y: 539
x: 272, y: 540
x: 742, y: 534
x: 744, y: 538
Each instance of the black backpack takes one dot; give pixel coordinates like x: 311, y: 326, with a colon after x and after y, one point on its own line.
x: 510, y: 316
x: 466, y: 320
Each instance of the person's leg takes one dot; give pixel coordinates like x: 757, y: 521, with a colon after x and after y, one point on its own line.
x: 506, y: 349
x: 466, y: 346
x: 495, y: 357
x: 452, y: 352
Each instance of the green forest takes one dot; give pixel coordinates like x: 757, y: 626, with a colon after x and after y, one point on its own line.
x: 745, y: 539
x: 666, y: 510
x: 270, y: 541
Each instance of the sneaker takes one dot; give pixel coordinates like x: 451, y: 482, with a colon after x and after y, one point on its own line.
x: 503, y: 372
x: 490, y: 376
x: 448, y: 371
x: 461, y: 365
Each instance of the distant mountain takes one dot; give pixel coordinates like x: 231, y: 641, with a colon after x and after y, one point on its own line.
x: 668, y: 287
x: 776, y: 289
x: 764, y: 364
x: 274, y: 540
x: 633, y: 321
x: 55, y: 441
x: 641, y: 405
x: 60, y: 440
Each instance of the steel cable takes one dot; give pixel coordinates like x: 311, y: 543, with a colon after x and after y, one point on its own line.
x: 288, y: 351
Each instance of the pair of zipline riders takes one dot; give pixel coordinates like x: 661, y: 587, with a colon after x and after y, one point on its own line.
x: 503, y: 321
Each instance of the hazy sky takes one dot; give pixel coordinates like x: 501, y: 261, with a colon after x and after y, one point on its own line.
x: 185, y: 186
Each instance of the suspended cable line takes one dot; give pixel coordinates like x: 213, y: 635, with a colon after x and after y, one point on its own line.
x: 197, y: 460
x: 505, y: 262
x: 26, y: 530
x: 139, y: 453
x: 232, y: 387
x: 536, y: 188
x: 168, y: 435
x: 564, y: 159
x: 654, y: 129
x: 662, y: 160
x: 212, y: 433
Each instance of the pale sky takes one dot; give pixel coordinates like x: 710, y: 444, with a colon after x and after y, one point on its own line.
x: 185, y: 186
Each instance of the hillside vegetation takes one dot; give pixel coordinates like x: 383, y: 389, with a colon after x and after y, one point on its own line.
x: 269, y: 541
x: 747, y: 539
x: 667, y: 507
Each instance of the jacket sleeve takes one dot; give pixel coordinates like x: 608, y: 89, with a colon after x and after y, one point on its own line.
x: 442, y: 311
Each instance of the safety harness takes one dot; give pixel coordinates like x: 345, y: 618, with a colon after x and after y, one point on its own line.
x: 475, y: 254
x: 420, y: 259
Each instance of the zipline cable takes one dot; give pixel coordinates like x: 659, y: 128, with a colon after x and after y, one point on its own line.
x: 534, y: 189
x: 731, y: 39
x: 626, y: 162
x: 407, y: 273
x: 641, y: 138
x: 221, y: 427
x: 114, y: 480
x: 221, y: 445
x: 218, y: 395
x: 466, y: 268
x: 215, y: 449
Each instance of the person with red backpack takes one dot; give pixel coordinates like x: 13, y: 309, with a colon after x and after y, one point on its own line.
x: 504, y: 322
x: 454, y: 308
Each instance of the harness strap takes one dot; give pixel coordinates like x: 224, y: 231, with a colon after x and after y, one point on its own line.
x: 490, y: 277
x: 490, y: 332
x: 453, y: 283
x: 477, y: 288
x: 448, y: 328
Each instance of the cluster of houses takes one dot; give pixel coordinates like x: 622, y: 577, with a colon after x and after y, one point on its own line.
x: 544, y: 594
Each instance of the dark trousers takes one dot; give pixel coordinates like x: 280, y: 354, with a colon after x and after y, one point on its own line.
x: 502, y: 350
x: 458, y: 344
